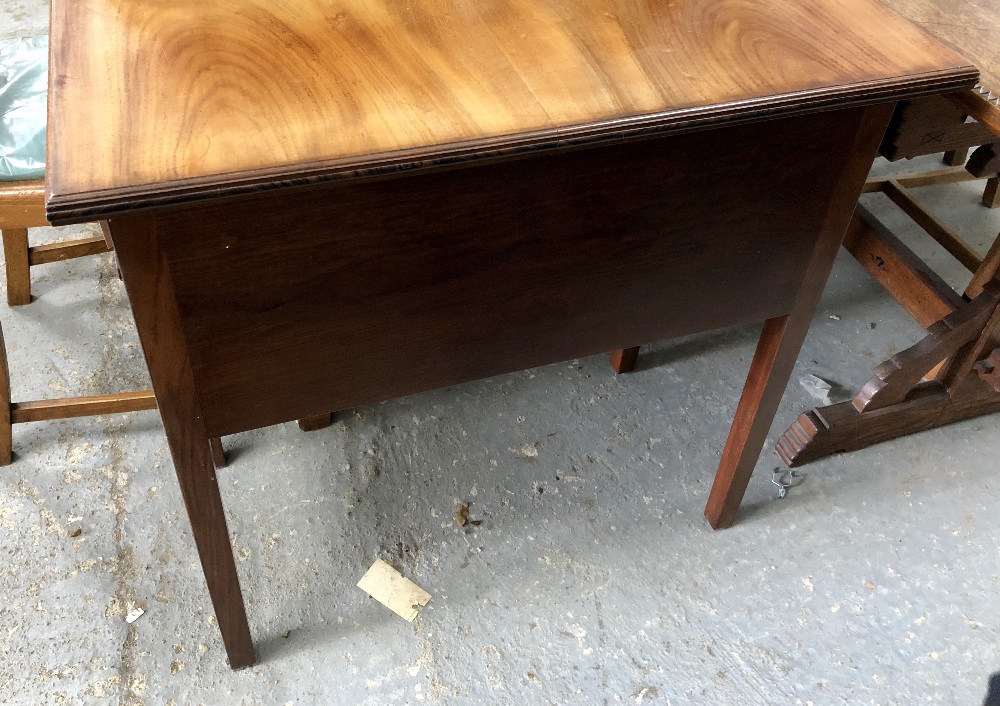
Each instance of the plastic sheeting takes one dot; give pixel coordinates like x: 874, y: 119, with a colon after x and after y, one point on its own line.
x: 23, y: 90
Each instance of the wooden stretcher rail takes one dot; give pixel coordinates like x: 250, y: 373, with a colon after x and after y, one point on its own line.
x: 117, y: 403
x: 951, y: 175
x: 919, y: 290
x: 68, y: 250
x: 935, y: 227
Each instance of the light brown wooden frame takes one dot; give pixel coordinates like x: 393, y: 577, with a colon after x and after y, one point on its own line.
x: 22, y: 206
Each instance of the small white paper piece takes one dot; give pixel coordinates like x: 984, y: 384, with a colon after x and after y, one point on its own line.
x: 817, y: 387
x: 393, y: 590
x: 134, y: 615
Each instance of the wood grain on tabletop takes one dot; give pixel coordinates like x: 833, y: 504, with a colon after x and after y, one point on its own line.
x: 971, y: 25
x: 209, y: 94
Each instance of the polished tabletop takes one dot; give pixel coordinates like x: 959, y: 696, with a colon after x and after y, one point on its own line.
x: 179, y: 99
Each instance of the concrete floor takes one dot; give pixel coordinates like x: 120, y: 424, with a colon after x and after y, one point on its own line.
x: 592, y: 579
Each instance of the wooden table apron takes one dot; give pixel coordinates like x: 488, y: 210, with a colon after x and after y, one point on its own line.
x: 283, y: 304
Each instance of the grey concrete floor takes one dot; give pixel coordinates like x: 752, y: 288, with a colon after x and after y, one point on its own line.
x: 592, y: 579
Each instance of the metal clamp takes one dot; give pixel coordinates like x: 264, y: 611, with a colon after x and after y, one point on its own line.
x: 783, y: 479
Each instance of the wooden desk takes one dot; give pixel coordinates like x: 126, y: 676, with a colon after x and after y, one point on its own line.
x: 321, y: 205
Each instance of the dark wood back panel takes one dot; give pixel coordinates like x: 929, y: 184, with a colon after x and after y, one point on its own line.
x: 464, y: 274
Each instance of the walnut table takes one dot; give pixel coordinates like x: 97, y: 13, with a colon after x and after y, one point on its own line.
x: 322, y: 204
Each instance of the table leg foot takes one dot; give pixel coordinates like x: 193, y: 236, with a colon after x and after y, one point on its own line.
x: 6, y: 424
x: 15, y: 250
x: 218, y: 452
x: 624, y: 359
x: 985, y: 162
x: 319, y: 421
x: 824, y: 431
x: 955, y: 158
x: 991, y: 196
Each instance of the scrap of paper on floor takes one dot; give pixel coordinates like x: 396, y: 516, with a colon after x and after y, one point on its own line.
x: 393, y: 590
